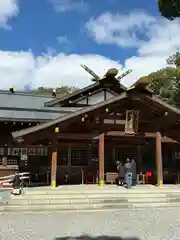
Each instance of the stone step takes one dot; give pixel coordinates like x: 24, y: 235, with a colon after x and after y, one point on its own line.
x: 91, y: 196
x: 95, y: 196
x: 100, y: 191
x: 99, y: 196
x: 84, y: 207
x: 52, y: 201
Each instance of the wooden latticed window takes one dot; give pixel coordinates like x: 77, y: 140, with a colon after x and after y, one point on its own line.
x: 132, y: 121
x: 2, y: 151
x: 79, y: 156
x: 15, y: 152
x: 23, y: 151
x: 62, y: 156
x: 32, y: 151
x: 12, y: 161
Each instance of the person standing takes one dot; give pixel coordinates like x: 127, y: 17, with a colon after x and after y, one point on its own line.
x: 134, y: 174
x: 128, y: 173
x: 16, y: 184
x: 120, y: 171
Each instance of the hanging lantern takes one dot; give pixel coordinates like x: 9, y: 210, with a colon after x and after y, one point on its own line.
x: 56, y: 129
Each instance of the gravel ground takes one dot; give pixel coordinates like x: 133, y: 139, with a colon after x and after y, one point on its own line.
x: 160, y: 224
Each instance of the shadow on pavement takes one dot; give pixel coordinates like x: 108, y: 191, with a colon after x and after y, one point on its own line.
x: 86, y: 237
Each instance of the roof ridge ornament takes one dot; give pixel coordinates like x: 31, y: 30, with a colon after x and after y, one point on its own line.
x: 141, y: 84
x: 111, y: 72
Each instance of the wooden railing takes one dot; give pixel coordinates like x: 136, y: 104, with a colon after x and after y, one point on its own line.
x: 7, y: 179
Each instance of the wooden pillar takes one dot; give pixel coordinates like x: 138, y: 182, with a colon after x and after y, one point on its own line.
x: 139, y: 158
x: 53, y: 164
x: 101, y: 160
x: 159, y: 171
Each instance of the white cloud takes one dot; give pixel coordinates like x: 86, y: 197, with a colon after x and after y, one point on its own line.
x: 21, y: 68
x: 122, y: 30
x: 8, y: 10
x: 153, y: 38
x: 69, y: 5
x: 54, y: 69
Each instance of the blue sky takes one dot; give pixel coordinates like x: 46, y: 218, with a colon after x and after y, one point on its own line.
x: 39, y: 25
x: 43, y: 42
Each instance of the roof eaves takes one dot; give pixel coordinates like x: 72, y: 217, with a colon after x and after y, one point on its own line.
x: 45, y: 109
x: 24, y: 120
x: 23, y: 93
x: 165, y: 104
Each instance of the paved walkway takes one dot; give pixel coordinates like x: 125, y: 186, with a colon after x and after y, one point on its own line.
x: 153, y: 224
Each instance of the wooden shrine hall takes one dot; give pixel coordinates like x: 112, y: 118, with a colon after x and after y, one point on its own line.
x: 133, y: 123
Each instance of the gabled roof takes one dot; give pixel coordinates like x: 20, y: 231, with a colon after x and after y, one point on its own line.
x: 68, y: 116
x: 154, y: 102
x: 80, y: 92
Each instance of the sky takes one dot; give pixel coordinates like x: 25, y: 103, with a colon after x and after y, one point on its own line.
x: 44, y: 42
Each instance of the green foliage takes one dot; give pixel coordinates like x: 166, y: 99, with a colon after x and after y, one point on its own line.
x: 166, y: 81
x: 169, y: 9
x: 59, y: 91
x: 162, y: 83
x: 174, y: 59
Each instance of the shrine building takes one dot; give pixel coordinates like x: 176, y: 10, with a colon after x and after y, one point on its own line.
x: 81, y: 136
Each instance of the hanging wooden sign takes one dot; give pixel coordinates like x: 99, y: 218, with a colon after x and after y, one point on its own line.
x: 132, y: 121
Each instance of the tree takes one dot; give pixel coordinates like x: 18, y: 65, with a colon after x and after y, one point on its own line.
x: 166, y: 82
x: 162, y: 83
x: 59, y: 91
x: 169, y: 9
x: 174, y: 60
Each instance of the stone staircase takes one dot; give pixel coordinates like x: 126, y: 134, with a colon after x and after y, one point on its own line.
x: 86, y: 198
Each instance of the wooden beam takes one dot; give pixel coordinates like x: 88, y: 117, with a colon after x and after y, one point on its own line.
x: 101, y: 160
x: 159, y: 171
x: 53, y: 164
x: 78, y: 136
x: 119, y: 133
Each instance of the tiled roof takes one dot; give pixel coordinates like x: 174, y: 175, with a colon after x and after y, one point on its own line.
x: 22, y: 106
x: 23, y: 100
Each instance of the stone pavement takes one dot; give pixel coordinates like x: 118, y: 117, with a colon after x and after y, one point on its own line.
x: 154, y: 224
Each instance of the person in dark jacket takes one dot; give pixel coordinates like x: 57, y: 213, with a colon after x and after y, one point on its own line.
x: 134, y: 173
x: 128, y: 173
x: 120, y: 171
x: 16, y: 182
